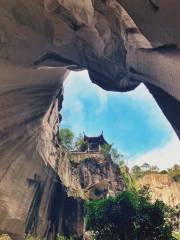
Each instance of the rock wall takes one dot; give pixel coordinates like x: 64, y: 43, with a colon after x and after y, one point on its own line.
x: 119, y: 53
x: 90, y: 178
x: 114, y: 39
x: 28, y: 139
x: 163, y: 187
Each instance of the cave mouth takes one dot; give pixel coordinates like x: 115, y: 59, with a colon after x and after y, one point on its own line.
x: 131, y: 121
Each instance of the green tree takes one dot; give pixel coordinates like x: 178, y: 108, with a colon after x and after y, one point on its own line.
x: 66, y: 137
x: 80, y: 144
x: 173, y: 216
x: 154, y: 168
x: 174, y: 172
x: 146, y: 167
x: 176, y: 167
x: 106, y: 149
x: 116, y: 156
x: 137, y: 171
x: 128, y: 216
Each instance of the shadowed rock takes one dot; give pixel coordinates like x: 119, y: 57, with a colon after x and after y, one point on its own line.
x: 119, y: 44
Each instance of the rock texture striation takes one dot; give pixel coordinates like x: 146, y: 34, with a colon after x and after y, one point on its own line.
x: 90, y: 178
x: 162, y: 187
x: 26, y: 178
x: 121, y: 44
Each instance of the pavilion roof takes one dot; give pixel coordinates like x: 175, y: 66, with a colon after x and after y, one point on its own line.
x: 96, y: 139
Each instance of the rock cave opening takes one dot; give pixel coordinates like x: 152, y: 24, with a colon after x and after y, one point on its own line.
x: 122, y: 44
x: 133, y: 122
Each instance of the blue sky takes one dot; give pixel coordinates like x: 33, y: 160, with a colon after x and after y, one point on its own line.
x: 131, y: 121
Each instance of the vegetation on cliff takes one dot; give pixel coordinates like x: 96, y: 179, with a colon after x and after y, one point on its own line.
x: 174, y: 172
x: 141, y: 171
x: 131, y: 215
x: 66, y: 137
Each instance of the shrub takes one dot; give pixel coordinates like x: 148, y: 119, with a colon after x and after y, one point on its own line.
x: 80, y: 144
x: 105, y: 149
x: 66, y: 137
x: 175, y: 174
x: 128, y: 216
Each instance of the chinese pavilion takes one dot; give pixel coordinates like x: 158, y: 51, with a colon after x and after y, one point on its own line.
x: 94, y: 143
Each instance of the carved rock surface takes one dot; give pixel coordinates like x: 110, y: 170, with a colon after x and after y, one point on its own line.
x: 120, y: 42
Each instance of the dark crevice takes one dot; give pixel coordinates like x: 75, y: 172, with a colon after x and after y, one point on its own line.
x: 51, y: 56
x: 154, y: 5
x: 165, y: 48
x: 132, y: 30
x: 33, y: 213
x: 132, y: 70
x: 69, y: 19
x: 65, y: 214
x: 55, y: 209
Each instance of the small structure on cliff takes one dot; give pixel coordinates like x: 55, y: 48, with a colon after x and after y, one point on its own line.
x: 90, y: 147
x: 94, y: 144
x: 85, y: 174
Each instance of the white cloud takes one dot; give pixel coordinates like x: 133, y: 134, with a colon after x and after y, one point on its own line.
x: 164, y: 157
x: 78, y: 88
x: 141, y: 93
x: 79, y: 85
x: 150, y: 107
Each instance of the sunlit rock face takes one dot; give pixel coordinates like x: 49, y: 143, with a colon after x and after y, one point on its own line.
x: 28, y: 148
x: 117, y: 42
x: 92, y: 177
x: 121, y: 43
x: 162, y: 187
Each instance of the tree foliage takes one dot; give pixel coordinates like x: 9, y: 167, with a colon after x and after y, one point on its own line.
x: 140, y: 171
x: 174, y: 172
x: 128, y: 216
x: 116, y: 156
x: 137, y: 171
x: 80, y: 144
x: 106, y: 149
x: 66, y: 137
x: 109, y: 150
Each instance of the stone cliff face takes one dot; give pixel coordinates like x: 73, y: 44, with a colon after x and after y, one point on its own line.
x: 163, y: 187
x: 119, y: 44
x: 26, y: 181
x: 90, y: 178
x: 87, y: 179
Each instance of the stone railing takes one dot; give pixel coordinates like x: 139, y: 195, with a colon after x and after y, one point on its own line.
x: 77, y: 156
